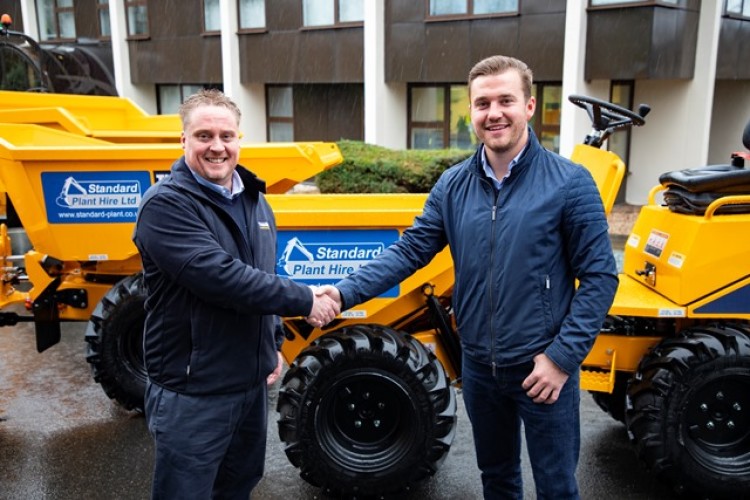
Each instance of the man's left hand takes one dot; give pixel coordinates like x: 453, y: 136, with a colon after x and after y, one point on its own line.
x: 546, y: 380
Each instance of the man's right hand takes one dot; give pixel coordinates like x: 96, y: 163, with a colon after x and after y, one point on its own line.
x: 324, y: 308
x: 332, y: 292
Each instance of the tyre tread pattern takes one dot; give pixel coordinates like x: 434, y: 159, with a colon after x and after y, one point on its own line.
x: 120, y: 382
x: 368, y: 346
x: 658, y: 395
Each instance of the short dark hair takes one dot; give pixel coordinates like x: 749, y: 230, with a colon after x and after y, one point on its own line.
x: 207, y: 97
x: 494, y: 65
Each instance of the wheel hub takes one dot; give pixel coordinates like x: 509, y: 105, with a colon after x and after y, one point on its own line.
x: 366, y: 420
x: 719, y: 416
x: 367, y: 411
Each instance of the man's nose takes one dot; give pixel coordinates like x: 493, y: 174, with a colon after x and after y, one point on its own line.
x: 217, y: 144
x: 495, y: 110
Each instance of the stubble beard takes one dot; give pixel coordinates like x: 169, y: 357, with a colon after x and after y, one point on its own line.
x: 507, y: 144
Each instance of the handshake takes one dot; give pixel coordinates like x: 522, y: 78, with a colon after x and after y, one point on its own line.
x: 326, y: 305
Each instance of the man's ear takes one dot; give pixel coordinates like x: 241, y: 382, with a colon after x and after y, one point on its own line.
x: 530, y: 107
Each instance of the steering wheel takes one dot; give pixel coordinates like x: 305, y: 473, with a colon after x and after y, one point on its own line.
x: 605, y: 115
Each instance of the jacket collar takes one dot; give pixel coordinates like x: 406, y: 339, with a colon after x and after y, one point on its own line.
x: 183, y: 177
x: 530, y: 152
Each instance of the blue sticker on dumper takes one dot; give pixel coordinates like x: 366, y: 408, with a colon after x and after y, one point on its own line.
x: 93, y: 197
x: 324, y: 257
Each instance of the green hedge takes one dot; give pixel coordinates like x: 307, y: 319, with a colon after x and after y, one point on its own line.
x: 375, y: 169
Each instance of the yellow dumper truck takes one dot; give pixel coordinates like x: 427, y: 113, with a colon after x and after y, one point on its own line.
x: 368, y: 405
x: 76, y: 198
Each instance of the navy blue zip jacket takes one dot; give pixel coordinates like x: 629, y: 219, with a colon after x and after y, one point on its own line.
x: 517, y: 254
x: 212, y: 292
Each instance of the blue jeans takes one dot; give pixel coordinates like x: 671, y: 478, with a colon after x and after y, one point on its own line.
x: 211, y: 446
x: 497, y: 405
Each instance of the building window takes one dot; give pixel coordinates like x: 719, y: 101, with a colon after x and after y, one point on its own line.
x: 439, y: 117
x: 280, y: 105
x: 546, y: 120
x: 252, y: 14
x: 332, y: 12
x: 211, y: 18
x: 621, y: 93
x: 427, y: 118
x: 455, y: 8
x: 738, y: 8
x: 137, y: 17
x: 171, y: 96
x: 102, y: 7
x: 619, y: 3
x: 56, y: 20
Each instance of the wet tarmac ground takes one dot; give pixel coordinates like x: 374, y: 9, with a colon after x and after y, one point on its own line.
x: 62, y: 438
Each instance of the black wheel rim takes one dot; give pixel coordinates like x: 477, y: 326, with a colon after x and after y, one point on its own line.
x: 717, y: 424
x: 366, y: 421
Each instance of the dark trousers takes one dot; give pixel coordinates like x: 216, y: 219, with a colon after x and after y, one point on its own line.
x: 497, y: 405
x: 206, y: 447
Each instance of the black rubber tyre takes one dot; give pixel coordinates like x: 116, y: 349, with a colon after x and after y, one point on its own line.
x: 115, y: 343
x: 689, y: 411
x: 366, y: 411
x: 614, y: 404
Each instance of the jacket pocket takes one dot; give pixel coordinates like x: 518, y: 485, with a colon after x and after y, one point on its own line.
x: 545, y: 283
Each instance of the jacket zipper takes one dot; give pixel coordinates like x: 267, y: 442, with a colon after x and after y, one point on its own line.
x: 492, y: 267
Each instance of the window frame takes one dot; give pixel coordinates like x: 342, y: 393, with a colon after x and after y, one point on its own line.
x: 618, y: 4
x: 336, y: 19
x: 537, y: 122
x: 744, y: 5
x: 204, y: 31
x: 445, y: 125
x: 102, y: 5
x: 129, y: 4
x: 469, y: 13
x: 182, y: 87
x: 278, y: 119
x: 256, y: 29
x: 625, y: 156
x: 435, y: 125
x: 56, y: 11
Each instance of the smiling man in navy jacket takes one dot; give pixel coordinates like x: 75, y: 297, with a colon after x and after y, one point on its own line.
x: 207, y: 238
x: 522, y: 224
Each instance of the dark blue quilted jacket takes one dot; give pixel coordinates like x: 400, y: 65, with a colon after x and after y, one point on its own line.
x: 517, y: 255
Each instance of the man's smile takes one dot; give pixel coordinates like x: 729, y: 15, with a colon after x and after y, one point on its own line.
x: 497, y: 126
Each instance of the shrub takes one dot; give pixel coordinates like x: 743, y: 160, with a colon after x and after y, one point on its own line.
x: 375, y: 169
